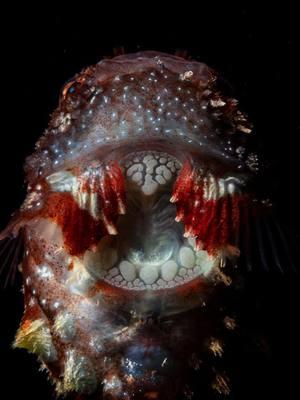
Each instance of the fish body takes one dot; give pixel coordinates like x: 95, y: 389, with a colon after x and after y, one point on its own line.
x: 138, y: 208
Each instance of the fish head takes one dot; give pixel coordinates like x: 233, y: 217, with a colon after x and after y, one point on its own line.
x: 136, y: 198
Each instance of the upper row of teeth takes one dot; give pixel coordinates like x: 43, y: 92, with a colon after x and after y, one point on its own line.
x: 149, y: 170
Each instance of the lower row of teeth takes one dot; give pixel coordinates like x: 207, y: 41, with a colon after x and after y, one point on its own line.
x: 188, y: 265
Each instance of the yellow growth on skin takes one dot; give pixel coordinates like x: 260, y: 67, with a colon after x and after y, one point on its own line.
x: 220, y: 384
x: 221, y: 277
x: 64, y: 326
x: 216, y: 347
x: 230, y: 323
x: 78, y: 374
x: 35, y: 337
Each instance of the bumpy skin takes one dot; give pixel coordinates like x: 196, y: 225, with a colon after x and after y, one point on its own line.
x: 159, y: 336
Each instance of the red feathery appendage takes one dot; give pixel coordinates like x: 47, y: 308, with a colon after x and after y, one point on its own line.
x: 213, y: 220
x: 108, y: 184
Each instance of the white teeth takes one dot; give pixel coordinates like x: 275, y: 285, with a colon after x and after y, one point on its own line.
x: 150, y: 170
x: 118, y: 278
x: 169, y: 270
x: 137, y: 282
x: 127, y: 270
x: 164, y: 171
x: 150, y: 186
x: 149, y: 274
x: 134, y: 168
x: 177, y: 269
x: 182, y: 272
x: 187, y: 257
x: 159, y: 179
x: 171, y: 164
x: 162, y: 160
x: 150, y: 165
x: 113, y: 272
x: 190, y: 265
x: 137, y: 177
x: 171, y: 284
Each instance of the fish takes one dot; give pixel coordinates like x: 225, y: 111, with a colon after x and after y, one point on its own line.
x: 141, y: 219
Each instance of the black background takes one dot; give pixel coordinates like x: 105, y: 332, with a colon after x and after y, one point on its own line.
x: 254, y: 49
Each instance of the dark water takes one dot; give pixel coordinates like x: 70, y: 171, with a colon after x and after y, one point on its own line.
x: 256, y: 51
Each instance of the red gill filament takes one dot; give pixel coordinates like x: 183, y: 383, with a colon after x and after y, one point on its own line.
x: 214, y: 222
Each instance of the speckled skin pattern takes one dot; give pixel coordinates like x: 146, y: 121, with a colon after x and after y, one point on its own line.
x: 137, y: 196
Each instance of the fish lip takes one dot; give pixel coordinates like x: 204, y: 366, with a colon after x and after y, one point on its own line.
x: 206, y: 156
x: 167, y: 302
x: 177, y: 147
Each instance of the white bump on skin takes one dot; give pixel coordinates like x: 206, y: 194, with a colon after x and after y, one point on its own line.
x: 187, y: 257
x: 44, y: 271
x: 149, y: 274
x: 231, y: 188
x: 127, y: 270
x: 169, y: 270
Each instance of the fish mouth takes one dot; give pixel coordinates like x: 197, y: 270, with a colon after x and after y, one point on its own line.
x: 147, y: 247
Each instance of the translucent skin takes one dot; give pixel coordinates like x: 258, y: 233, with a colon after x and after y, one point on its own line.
x: 96, y: 338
